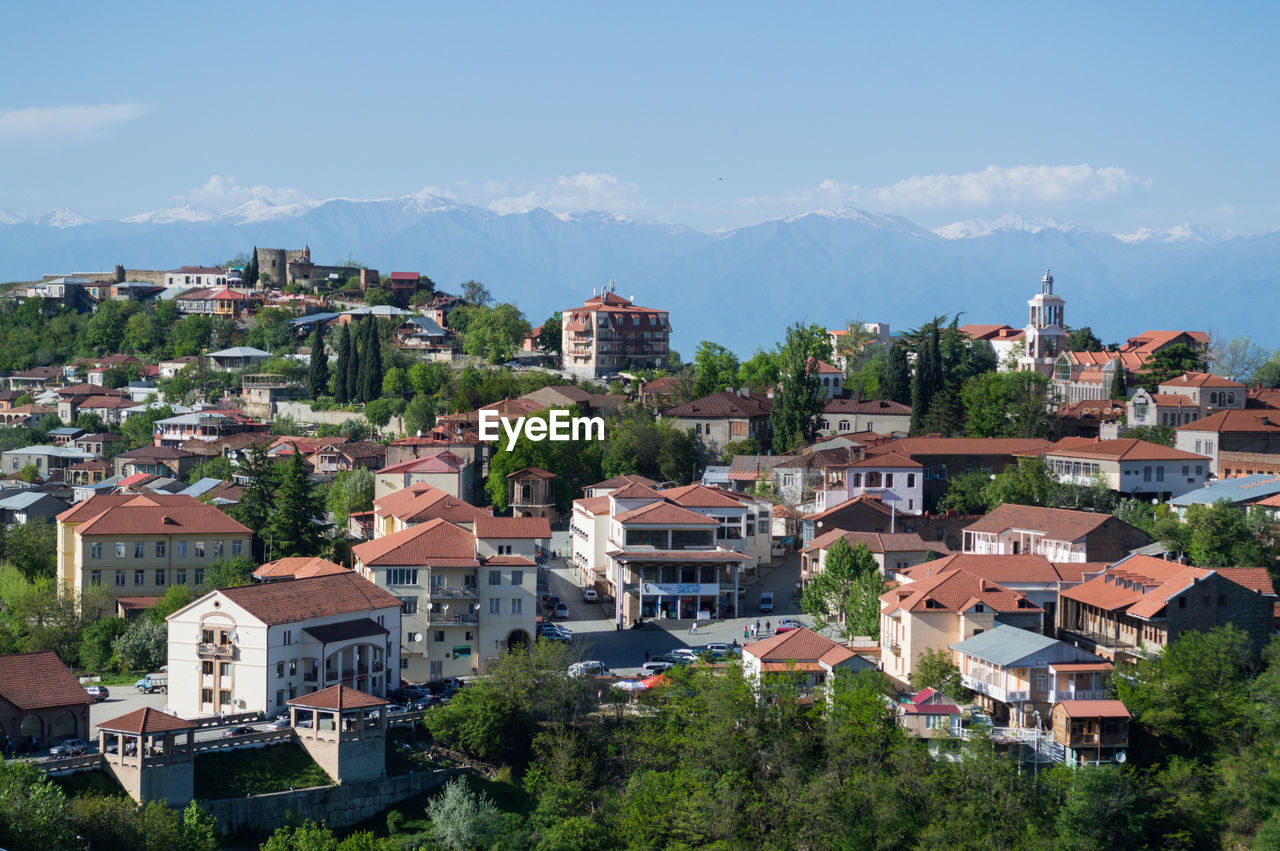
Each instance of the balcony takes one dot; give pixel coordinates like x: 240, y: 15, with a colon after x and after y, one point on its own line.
x: 1079, y: 694
x: 1096, y: 740
x: 446, y: 591
x: 993, y: 691
x: 215, y: 651
x: 437, y: 619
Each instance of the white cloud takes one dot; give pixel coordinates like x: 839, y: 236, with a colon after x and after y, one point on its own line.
x: 568, y: 193
x: 994, y: 185
x: 46, y: 120
x: 219, y: 191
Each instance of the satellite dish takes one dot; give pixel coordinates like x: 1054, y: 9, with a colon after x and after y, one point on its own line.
x: 1121, y: 756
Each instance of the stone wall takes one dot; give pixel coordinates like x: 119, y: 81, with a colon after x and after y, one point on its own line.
x: 340, y: 805
x: 302, y: 412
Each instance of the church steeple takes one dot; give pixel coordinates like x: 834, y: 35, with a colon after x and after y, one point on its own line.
x: 1046, y: 333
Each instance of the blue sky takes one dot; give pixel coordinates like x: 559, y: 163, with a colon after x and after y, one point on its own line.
x: 713, y: 115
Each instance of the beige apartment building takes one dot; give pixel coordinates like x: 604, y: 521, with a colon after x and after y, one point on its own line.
x: 139, y: 545
x: 609, y: 334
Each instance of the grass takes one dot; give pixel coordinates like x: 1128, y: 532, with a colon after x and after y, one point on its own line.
x: 256, y: 771
x: 89, y: 783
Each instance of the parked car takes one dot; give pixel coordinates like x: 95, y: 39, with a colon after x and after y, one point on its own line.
x: 593, y: 668
x: 766, y: 601
x: 589, y: 595
x: 553, y: 600
x: 71, y: 747
x: 235, y: 732
x: 722, y: 650
x: 656, y: 666
x: 444, y: 685
x: 276, y: 724
x: 688, y: 653
x: 560, y: 611
x: 786, y: 625
x: 98, y: 693
x: 130, y: 746
x: 554, y: 630
x: 673, y: 659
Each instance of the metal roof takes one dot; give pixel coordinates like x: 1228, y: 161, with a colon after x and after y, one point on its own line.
x: 1241, y: 489
x: 1003, y: 645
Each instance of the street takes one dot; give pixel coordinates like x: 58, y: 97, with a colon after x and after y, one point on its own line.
x: 624, y: 652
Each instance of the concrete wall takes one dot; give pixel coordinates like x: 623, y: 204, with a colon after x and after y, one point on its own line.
x: 302, y: 412
x: 338, y: 806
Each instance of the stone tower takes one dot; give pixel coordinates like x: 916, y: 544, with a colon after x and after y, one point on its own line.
x: 1045, y: 334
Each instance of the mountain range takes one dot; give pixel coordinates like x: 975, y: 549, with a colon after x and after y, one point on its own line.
x: 739, y: 287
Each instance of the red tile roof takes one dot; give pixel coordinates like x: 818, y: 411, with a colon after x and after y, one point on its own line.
x: 1201, y: 379
x: 1150, y: 342
x: 146, y: 720
x: 954, y: 591
x: 39, y: 680
x: 665, y: 514
x: 1248, y: 420
x: 1059, y: 524
x: 536, y: 472
x: 621, y: 481
x: 421, y: 502
x: 1012, y: 569
x: 725, y: 404
x: 1120, y: 449
x: 441, y: 462
x: 699, y: 496
x: 885, y: 459
x: 878, y: 542
x: 488, y: 526
x: 434, y: 543
x: 293, y: 600
x: 298, y: 567
x: 915, y: 446
x: 676, y: 555
x: 337, y: 698
x: 144, y: 515
x: 635, y: 490
x: 874, y: 406
x: 799, y: 646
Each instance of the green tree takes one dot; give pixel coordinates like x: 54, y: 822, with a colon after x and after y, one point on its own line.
x: 461, y: 819
x: 199, y: 829
x: 144, y: 646
x: 895, y: 384
x: 217, y: 467
x: 307, y: 836
x: 97, y: 643
x: 759, y: 372
x: 354, y: 371
x: 715, y: 368
x: 847, y: 590
x: 256, y: 500
x: 175, y: 597
x: 370, y: 362
x: 1008, y: 404
x: 104, y: 332
x: 926, y: 380
x: 549, y: 340
x: 32, y: 547
x: 799, y: 399
x: 350, y: 491
x: 495, y: 334
x: 318, y: 374
x: 966, y: 493
x: 1029, y: 482
x: 1119, y: 392
x: 476, y: 293
x: 289, y: 529
x: 1169, y: 363
x: 190, y: 335
x: 250, y: 275
x: 270, y: 331
x: 228, y: 573
x: 395, y: 383
x: 420, y: 415
x: 1105, y: 809
x: 32, y: 809
x: 1162, y: 434
x: 341, y: 367
x: 934, y: 669
x: 1082, y: 339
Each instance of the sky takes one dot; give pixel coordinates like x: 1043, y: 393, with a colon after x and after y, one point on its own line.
x: 713, y: 115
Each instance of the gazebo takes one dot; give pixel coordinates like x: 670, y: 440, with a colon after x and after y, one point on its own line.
x: 341, y: 731
x: 150, y: 757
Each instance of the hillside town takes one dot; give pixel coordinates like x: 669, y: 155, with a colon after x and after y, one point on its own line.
x: 251, y: 505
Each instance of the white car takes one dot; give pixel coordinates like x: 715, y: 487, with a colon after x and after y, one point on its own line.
x: 649, y: 669
x: 592, y: 668
x: 721, y: 649
x: 687, y: 652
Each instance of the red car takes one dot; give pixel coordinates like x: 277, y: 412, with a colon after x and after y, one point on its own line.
x: 787, y: 624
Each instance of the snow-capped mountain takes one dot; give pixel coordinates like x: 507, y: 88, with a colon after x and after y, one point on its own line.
x: 1181, y: 233
x: 739, y: 287
x: 63, y: 217
x: 8, y: 217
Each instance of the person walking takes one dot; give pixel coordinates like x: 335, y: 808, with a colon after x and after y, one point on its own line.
x: 766, y: 626
x: 746, y: 632
x: 693, y: 628
x: 646, y: 657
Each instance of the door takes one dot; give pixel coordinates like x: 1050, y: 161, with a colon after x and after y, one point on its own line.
x: 437, y: 671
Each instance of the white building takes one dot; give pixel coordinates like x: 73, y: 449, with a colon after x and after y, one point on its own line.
x: 895, y: 478
x: 254, y: 647
x: 1045, y: 335
x: 189, y: 277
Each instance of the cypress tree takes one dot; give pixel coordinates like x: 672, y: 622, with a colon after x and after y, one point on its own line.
x: 897, y: 377
x: 352, y: 377
x: 318, y: 376
x: 289, y: 531
x: 371, y: 363
x: 340, y: 394
x: 251, y: 269
x: 255, y: 505
x: 1118, y: 391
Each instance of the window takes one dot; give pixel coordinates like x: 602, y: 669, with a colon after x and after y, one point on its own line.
x: 495, y: 577
x: 139, y: 549
x: 237, y: 547
x: 97, y: 549
x: 928, y: 473
x: 217, y: 549
x: 182, y: 549
x: 95, y: 577
x: 788, y: 480
x: 199, y: 549
x: 495, y: 606
x: 224, y: 669
x: 1186, y: 469
x: 517, y: 606
x: 179, y: 577
x: 161, y: 549
x: 1146, y: 474
x: 1199, y: 469
x: 402, y: 576
x: 697, y: 428
x: 517, y: 577
x: 1042, y: 682
x: 206, y: 668
x: 911, y: 480
x: 1160, y: 473
x: 1197, y: 447
x: 206, y: 695
x: 293, y: 667
x: 942, y: 471
x: 888, y: 480
x: 160, y: 576
x: 408, y: 605
x: 119, y: 578
x: 279, y: 697
x: 199, y: 576
x: 1182, y: 602
x: 844, y: 425
x: 139, y: 577
x: 404, y: 663
x: 287, y: 638
x: 224, y: 698
x: 279, y: 670
x: 438, y: 635
x: 206, y: 637
x: 119, y: 549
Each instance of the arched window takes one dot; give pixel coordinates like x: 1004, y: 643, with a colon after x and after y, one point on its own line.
x: 64, y: 726
x: 31, y: 727
x: 1231, y: 398
x: 873, y: 479
x: 857, y: 480
x: 1213, y: 398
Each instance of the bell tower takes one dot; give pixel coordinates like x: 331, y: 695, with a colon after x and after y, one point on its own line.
x: 1045, y: 334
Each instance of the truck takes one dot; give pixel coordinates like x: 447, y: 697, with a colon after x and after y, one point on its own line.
x: 153, y: 683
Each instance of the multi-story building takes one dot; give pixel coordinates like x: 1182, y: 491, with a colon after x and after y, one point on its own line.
x: 1237, y: 443
x: 723, y: 418
x: 1142, y: 604
x: 467, y: 596
x: 896, y: 479
x: 1136, y: 468
x: 139, y: 545
x: 893, y: 553
x: 197, y: 425
x: 1045, y: 336
x: 417, y: 504
x: 882, y: 416
x: 941, y: 458
x: 444, y: 470
x: 255, y: 647
x: 532, y: 493
x: 195, y: 276
x: 609, y: 334
x: 1058, y: 534
x: 45, y: 458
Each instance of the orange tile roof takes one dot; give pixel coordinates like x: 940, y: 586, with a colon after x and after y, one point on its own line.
x: 798, y: 646
x: 1078, y: 667
x: 871, y: 501
x: 1013, y: 569
x: 488, y: 526
x: 1059, y: 524
x: 146, y: 720
x: 1248, y: 420
x: 621, y: 481
x: 1120, y: 449
x: 39, y: 680
x: 536, y: 472
x: 1094, y: 708
x: 954, y: 591
x: 337, y: 698
x: 635, y: 490
x: 665, y: 513
x: 293, y: 600
x: 878, y: 542
x: 421, y: 502
x: 434, y: 543
x: 913, y: 446
x: 298, y: 567
x: 885, y: 459
x: 141, y: 515
x: 1201, y: 379
x: 699, y: 496
x: 725, y: 404
x: 872, y: 406
x: 593, y: 505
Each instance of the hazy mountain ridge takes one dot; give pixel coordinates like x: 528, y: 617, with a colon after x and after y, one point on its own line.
x: 739, y: 287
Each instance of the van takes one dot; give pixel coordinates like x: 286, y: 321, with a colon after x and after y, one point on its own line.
x: 593, y: 668
x: 766, y: 602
